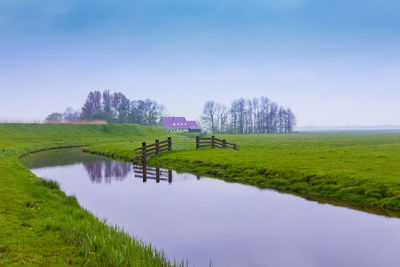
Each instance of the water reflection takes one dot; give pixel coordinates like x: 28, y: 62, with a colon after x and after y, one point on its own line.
x: 154, y: 173
x: 106, y: 171
x: 228, y: 224
x: 109, y: 170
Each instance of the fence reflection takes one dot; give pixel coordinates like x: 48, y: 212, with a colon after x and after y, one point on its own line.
x: 153, y: 173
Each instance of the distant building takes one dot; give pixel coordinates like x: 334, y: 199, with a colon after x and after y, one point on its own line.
x: 179, y: 125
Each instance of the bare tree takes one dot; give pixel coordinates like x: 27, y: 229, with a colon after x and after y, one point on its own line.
x: 70, y: 114
x: 222, y: 118
x: 208, y: 116
x: 249, y: 117
x: 273, y: 117
x: 291, y: 120
x: 256, y: 125
x: 281, y: 119
x: 259, y: 115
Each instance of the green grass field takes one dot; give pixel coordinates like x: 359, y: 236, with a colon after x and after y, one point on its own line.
x: 360, y: 169
x: 42, y: 226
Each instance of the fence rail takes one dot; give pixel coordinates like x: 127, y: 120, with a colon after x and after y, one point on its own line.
x: 145, y: 152
x: 154, y: 173
x: 148, y: 151
x: 214, y: 143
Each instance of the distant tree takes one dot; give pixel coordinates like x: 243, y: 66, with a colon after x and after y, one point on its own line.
x: 291, y: 120
x: 120, y: 106
x: 121, y: 109
x: 161, y: 111
x: 223, y: 118
x: 281, y: 119
x: 273, y: 117
x: 255, y: 105
x: 54, y: 117
x: 258, y: 115
x: 92, y: 104
x: 102, y: 115
x: 70, y: 115
x: 240, y: 109
x: 150, y: 112
x: 208, y: 116
x: 249, y: 117
x: 264, y: 108
x: 221, y: 115
x: 107, y: 101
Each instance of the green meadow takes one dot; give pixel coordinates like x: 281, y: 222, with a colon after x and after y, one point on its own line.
x: 43, y: 226
x: 361, y: 169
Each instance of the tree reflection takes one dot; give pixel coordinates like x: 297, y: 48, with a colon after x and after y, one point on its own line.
x: 109, y: 170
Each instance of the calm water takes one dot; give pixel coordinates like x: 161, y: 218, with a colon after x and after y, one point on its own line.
x: 203, y: 219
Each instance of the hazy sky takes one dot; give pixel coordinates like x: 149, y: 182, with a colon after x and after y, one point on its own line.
x: 333, y: 62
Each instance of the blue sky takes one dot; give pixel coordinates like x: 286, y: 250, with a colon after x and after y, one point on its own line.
x: 333, y: 62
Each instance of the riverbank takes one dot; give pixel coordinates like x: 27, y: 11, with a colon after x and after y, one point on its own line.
x: 40, y: 224
x: 360, y: 169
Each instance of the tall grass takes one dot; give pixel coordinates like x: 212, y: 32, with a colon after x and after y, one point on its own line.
x: 111, y: 246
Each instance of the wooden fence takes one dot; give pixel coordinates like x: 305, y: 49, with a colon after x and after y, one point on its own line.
x: 145, y: 152
x: 148, y: 151
x: 154, y: 173
x: 214, y: 143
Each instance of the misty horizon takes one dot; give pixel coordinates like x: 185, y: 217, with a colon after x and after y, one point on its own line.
x: 333, y: 64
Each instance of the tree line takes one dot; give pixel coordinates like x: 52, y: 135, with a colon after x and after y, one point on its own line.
x: 257, y: 115
x: 112, y: 107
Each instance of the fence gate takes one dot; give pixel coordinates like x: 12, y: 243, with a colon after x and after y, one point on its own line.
x: 186, y: 143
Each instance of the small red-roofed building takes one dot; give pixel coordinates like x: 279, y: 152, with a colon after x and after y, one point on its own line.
x: 179, y: 125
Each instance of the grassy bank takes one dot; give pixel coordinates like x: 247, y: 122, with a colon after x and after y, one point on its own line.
x: 356, y: 168
x: 40, y: 225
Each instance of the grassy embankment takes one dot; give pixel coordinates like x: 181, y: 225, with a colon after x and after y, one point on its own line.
x: 40, y: 225
x: 360, y: 169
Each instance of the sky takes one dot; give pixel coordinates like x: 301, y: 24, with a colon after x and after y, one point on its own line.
x: 334, y: 63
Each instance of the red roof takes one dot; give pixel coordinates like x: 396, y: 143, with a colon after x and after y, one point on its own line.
x: 193, y: 125
x: 179, y: 123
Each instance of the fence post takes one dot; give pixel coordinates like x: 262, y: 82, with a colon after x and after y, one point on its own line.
x: 144, y: 153
x: 157, y: 146
x: 157, y: 175
x: 144, y: 168
x: 224, y: 143
x: 169, y: 144
x: 197, y: 142
x: 169, y: 176
x: 234, y: 147
x: 212, y: 141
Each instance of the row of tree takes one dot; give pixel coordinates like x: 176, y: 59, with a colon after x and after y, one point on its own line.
x: 257, y: 115
x: 113, y: 107
x: 69, y: 115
